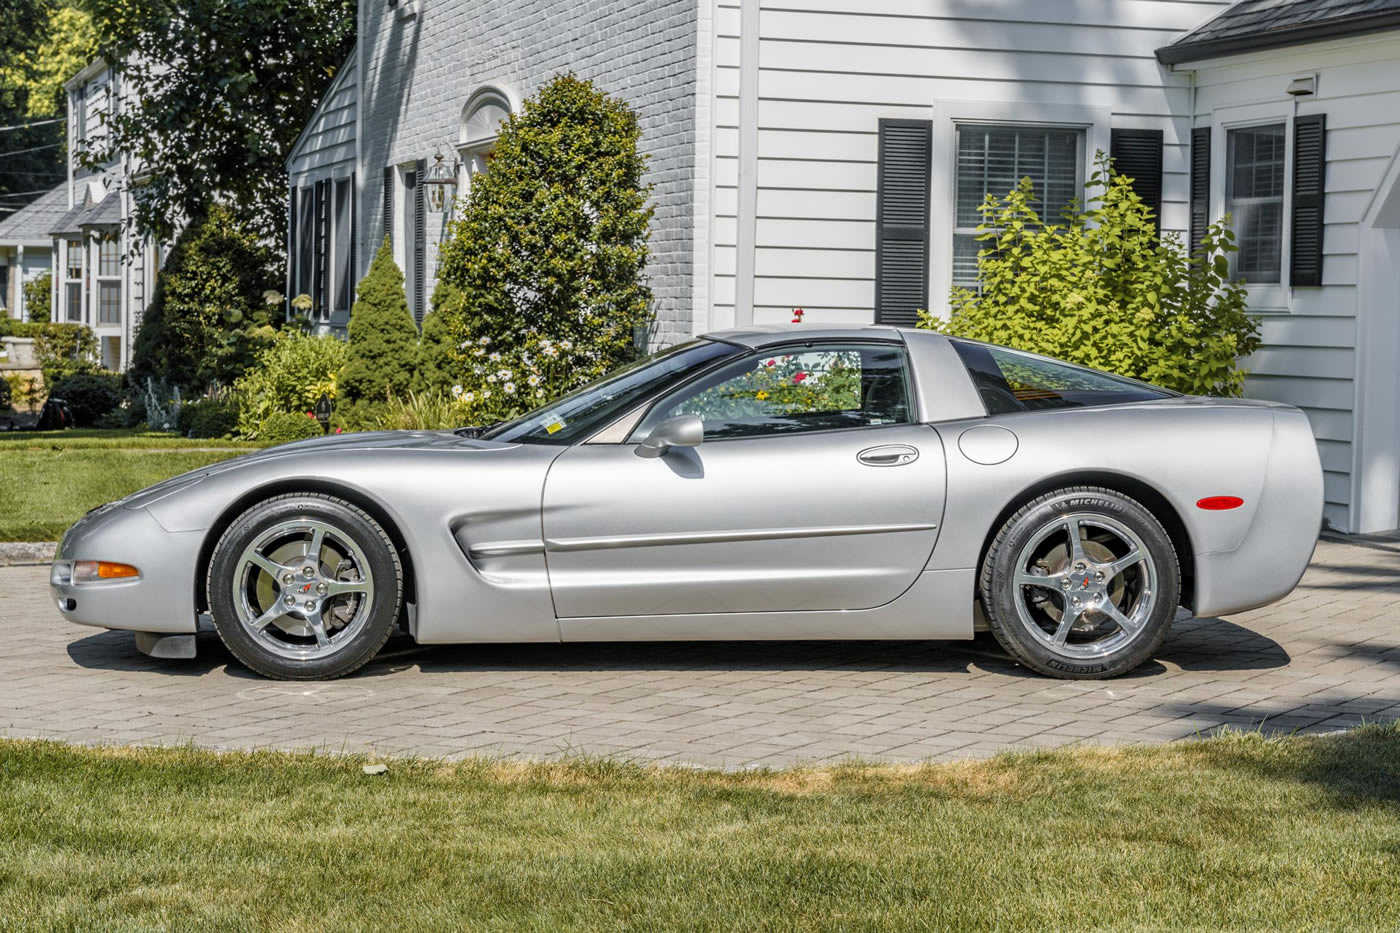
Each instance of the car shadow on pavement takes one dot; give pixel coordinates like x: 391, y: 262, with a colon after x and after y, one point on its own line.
x: 1358, y: 577
x: 1194, y: 645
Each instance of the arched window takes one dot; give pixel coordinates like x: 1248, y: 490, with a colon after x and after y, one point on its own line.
x: 481, y: 123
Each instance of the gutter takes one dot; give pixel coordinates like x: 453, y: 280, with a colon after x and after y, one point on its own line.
x: 1188, y: 51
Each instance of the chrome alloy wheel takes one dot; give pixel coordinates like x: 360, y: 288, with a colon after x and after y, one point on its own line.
x: 303, y: 589
x: 1085, y: 585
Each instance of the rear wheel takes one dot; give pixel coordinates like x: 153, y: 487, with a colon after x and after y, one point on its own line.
x: 1081, y: 583
x: 304, y: 587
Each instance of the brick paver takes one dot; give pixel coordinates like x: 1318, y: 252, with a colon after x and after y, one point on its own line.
x: 1326, y: 658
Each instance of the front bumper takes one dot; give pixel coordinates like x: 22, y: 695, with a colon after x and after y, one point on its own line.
x: 161, y: 599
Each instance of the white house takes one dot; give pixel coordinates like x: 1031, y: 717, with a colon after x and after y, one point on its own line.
x: 829, y: 154
x: 26, y: 247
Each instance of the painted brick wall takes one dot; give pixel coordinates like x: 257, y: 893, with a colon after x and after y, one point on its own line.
x: 418, y: 73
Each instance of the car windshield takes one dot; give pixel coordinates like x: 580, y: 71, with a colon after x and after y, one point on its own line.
x: 588, y: 410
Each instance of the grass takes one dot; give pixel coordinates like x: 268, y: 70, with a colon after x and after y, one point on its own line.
x: 48, y: 479
x: 1235, y: 832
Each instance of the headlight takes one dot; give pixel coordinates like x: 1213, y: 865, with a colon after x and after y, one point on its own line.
x: 91, y: 571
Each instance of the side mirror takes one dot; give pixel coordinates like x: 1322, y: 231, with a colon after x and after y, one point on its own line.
x: 681, y: 431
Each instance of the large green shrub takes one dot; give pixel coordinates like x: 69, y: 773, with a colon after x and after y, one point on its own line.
x: 551, y: 244
x: 1101, y: 289
x: 383, y: 339
x: 289, y: 376
x: 38, y: 299
x: 209, y: 316
x: 207, y: 417
x: 287, y: 426
x: 90, y: 396
x: 437, y: 366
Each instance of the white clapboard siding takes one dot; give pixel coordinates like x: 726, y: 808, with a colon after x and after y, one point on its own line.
x: 1308, y: 357
x: 829, y: 70
x: 326, y: 147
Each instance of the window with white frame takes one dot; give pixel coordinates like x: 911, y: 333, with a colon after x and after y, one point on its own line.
x: 73, y: 280
x: 109, y: 282
x: 993, y: 160
x: 481, y: 124
x: 1254, y: 182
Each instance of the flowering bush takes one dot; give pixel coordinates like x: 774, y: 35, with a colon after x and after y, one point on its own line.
x: 289, y: 377
x: 789, y: 383
x: 542, y: 279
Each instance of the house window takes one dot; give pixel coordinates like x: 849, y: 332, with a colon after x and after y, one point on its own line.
x: 1254, y: 183
x: 342, y: 278
x: 481, y: 124
x: 305, y: 245
x: 73, y: 280
x: 993, y: 160
x: 109, y: 284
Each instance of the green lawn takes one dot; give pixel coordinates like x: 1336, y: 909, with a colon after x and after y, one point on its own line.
x: 1236, y: 832
x: 49, y: 479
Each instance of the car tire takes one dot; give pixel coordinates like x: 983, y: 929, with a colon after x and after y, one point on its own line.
x: 289, y: 616
x: 1092, y: 613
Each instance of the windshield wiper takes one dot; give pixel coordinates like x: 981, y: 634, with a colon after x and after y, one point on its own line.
x: 476, y: 430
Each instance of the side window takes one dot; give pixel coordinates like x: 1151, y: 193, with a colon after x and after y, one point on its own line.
x: 1011, y: 381
x: 794, y: 389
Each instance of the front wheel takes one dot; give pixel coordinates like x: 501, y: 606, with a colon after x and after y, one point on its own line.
x: 1081, y: 583
x: 304, y: 587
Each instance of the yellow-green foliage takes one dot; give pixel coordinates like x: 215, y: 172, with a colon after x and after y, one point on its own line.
x: 383, y: 338
x: 289, y: 376
x: 1101, y: 289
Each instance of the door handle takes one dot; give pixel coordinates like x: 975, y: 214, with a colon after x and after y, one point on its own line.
x: 888, y: 456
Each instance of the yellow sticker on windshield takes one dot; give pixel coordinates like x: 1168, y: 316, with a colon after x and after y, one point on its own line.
x: 556, y: 426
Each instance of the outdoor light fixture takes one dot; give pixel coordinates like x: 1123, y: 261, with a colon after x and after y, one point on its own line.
x: 442, y: 183
x: 1302, y: 87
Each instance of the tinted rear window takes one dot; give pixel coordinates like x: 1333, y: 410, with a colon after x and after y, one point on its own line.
x: 1011, y: 381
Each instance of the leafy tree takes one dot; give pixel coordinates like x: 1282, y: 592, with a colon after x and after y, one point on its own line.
x: 383, y: 338
x: 38, y: 298
x: 208, y: 316
x: 33, y: 156
x: 1103, y: 290
x: 216, y: 93
x: 551, y: 246
x: 62, y: 350
x: 63, y: 46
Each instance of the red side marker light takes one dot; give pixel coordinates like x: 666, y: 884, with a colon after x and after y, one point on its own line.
x: 1219, y: 503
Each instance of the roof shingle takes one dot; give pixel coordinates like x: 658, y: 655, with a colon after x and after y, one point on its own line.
x: 34, y: 222
x: 1261, y: 24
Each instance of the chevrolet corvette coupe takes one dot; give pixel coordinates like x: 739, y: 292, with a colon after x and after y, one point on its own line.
x: 764, y: 483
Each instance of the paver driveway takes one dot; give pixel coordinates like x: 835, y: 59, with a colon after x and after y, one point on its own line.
x: 1326, y: 658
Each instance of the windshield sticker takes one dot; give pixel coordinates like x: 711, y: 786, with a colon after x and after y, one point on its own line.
x: 555, y: 426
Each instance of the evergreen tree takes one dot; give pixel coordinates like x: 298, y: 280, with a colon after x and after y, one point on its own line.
x: 383, y: 340
x: 209, y: 315
x: 437, y: 366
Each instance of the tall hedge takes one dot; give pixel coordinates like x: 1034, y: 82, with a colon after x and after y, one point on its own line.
x: 209, y: 316
x: 383, y: 339
x: 551, y: 244
x: 38, y: 299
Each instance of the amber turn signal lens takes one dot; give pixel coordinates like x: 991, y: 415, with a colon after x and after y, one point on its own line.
x: 1219, y: 503
x: 86, y: 571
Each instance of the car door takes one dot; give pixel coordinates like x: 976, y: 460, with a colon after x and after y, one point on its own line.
x: 811, y: 490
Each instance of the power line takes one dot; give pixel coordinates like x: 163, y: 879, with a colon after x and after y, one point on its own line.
x: 25, y: 126
x: 31, y: 149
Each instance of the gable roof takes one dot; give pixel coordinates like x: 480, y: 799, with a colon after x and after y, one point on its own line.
x: 1251, y: 25
x: 31, y: 224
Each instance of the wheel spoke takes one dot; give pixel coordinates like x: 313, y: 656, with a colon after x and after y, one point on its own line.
x: 264, y: 563
x: 318, y: 539
x: 318, y: 628
x: 267, y: 618
x: 1049, y: 581
x: 1111, y: 610
x: 1134, y: 556
x: 1076, y: 540
x: 340, y: 587
x: 1071, y: 616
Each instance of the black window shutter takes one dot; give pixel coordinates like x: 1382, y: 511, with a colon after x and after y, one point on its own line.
x: 319, y: 302
x: 1200, y: 186
x: 901, y: 221
x: 1309, y: 179
x: 1138, y: 155
x: 388, y: 206
x: 354, y: 238
x: 420, y: 235
x: 292, y: 250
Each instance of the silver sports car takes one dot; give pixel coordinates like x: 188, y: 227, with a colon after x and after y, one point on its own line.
x: 786, y: 483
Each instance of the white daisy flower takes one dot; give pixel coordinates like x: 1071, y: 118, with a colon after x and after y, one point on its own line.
x: 485, y: 341
x: 478, y: 352
x: 503, y: 373
x: 494, y: 357
x: 509, y: 387
x: 457, y: 391
x: 539, y: 393
x: 469, y: 396
x: 486, y: 394
x: 491, y: 378
x: 550, y: 352
x: 534, y: 379
x: 566, y: 345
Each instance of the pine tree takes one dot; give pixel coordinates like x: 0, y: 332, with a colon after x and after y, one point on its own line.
x: 437, y: 363
x: 383, y: 341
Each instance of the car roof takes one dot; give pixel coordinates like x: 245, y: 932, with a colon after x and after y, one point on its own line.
x: 763, y: 335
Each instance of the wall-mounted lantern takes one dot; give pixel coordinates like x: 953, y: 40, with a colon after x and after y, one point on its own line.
x: 442, y: 184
